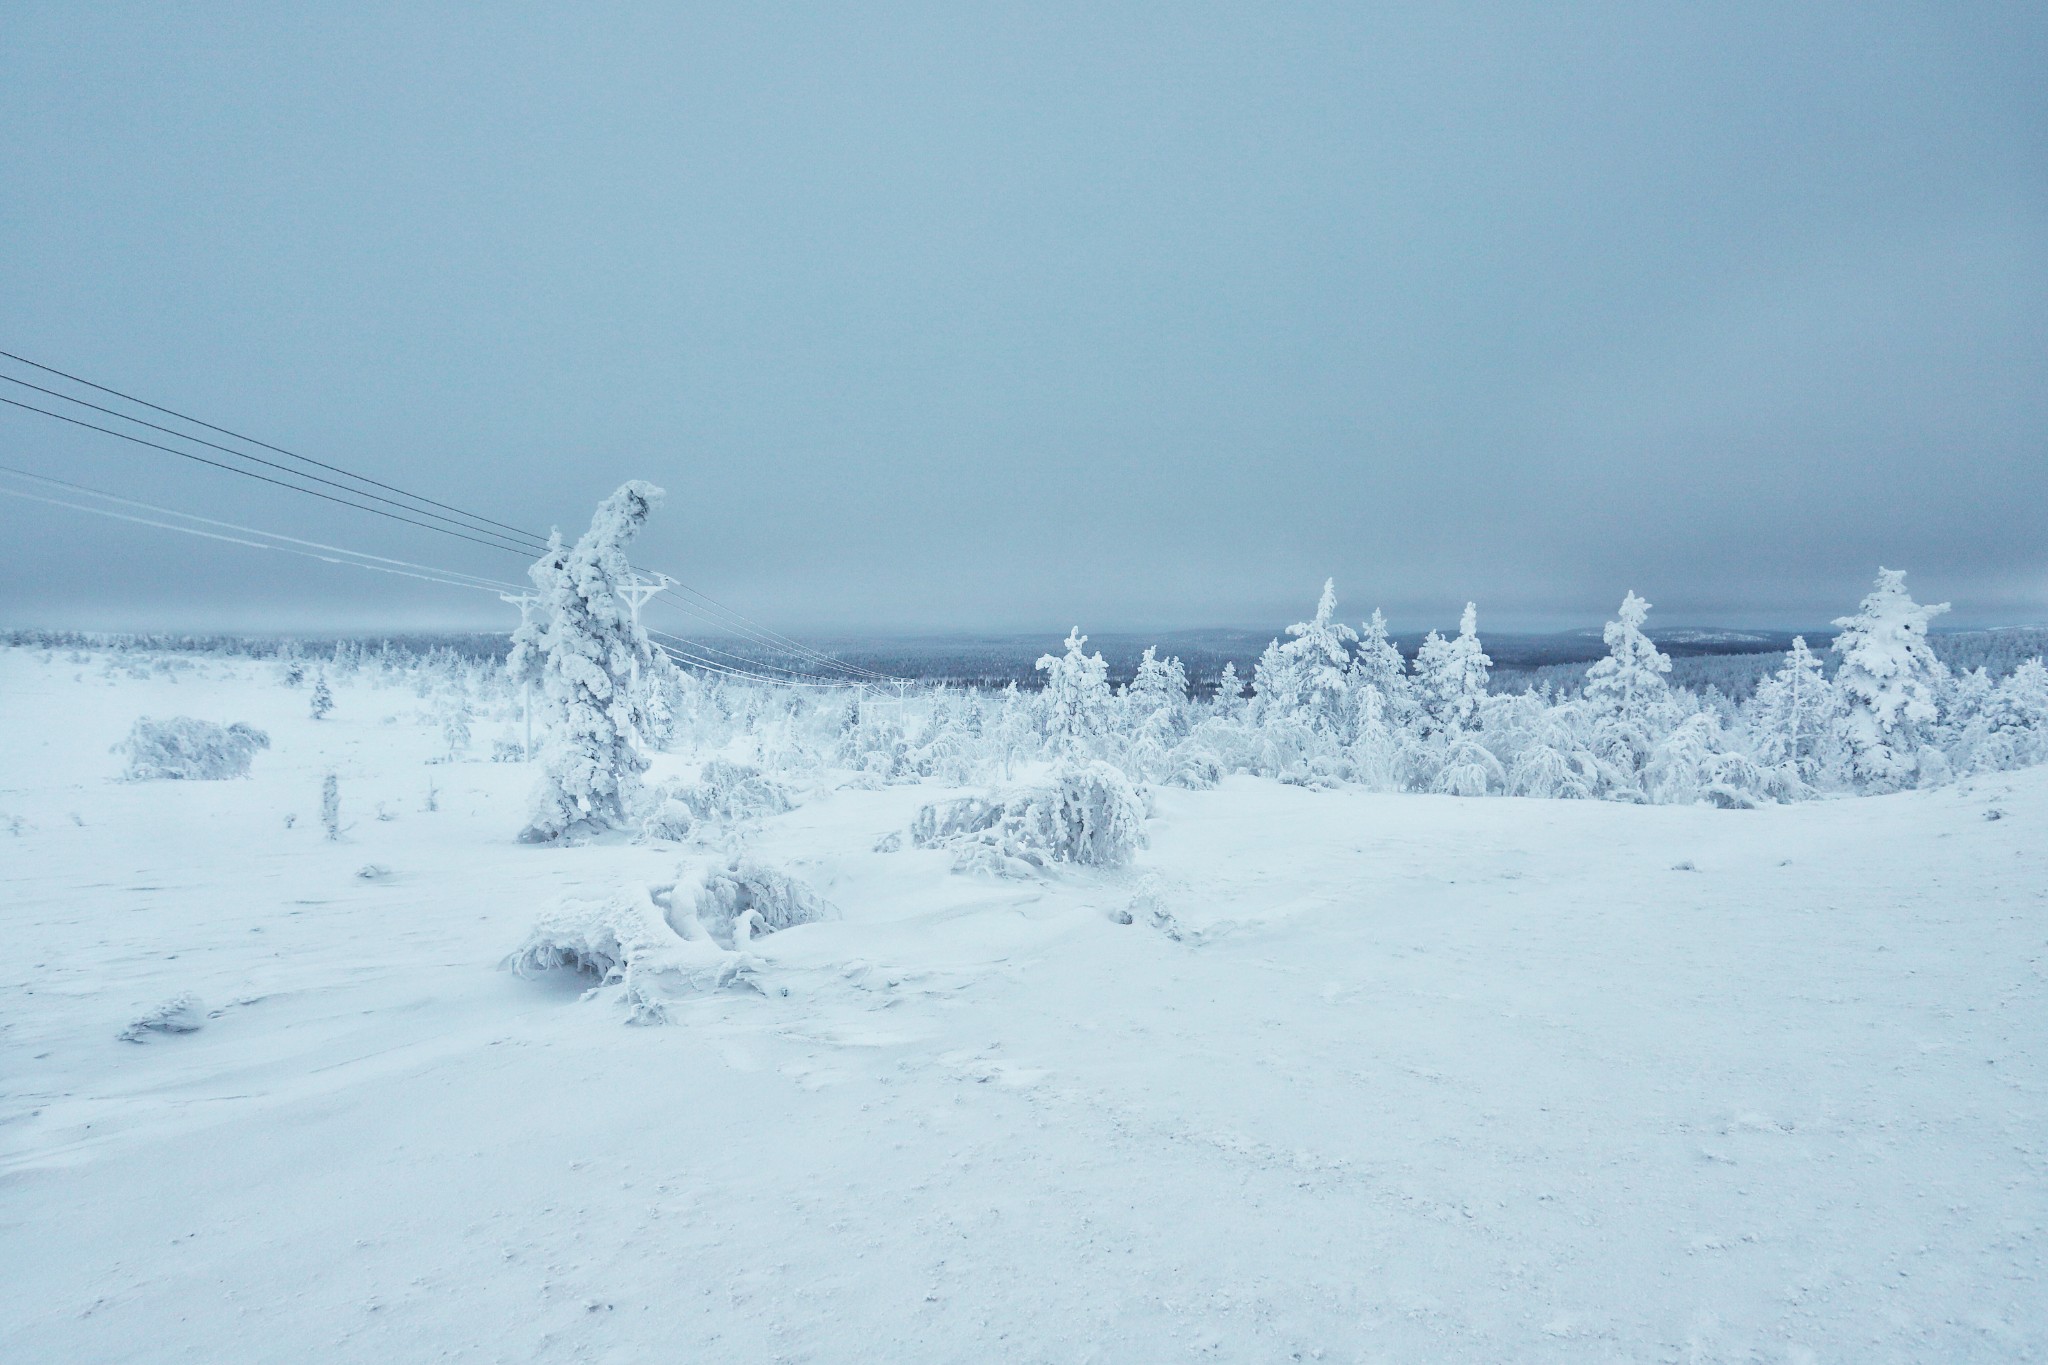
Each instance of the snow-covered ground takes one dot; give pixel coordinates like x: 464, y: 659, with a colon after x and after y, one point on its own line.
x: 1368, y: 1077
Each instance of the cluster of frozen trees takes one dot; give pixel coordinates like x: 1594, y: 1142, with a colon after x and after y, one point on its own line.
x: 1331, y: 704
x: 1328, y: 704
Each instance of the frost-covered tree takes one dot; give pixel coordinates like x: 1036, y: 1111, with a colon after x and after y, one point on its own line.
x: 1229, y: 687
x: 455, y: 717
x: 1159, y: 685
x: 323, y: 698
x: 1319, y: 651
x: 1889, y: 682
x: 1076, y: 701
x: 1450, y: 675
x: 1995, y: 725
x: 1377, y: 666
x: 1790, y: 715
x: 596, y: 661
x: 1630, y: 680
x: 1276, y: 684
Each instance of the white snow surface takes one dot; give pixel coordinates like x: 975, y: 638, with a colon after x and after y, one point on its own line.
x: 1364, y: 1077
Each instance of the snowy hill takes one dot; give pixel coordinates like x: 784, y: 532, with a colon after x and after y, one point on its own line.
x: 1363, y: 1077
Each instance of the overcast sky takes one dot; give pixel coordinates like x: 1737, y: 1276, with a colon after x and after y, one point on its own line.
x: 1128, y: 315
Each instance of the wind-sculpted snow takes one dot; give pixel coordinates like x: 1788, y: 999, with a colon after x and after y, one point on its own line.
x: 182, y: 748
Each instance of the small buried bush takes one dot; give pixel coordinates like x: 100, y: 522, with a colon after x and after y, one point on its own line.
x: 1089, y: 814
x: 182, y: 748
x: 746, y: 899
x: 724, y: 793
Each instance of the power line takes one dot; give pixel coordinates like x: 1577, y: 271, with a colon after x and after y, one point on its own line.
x: 733, y: 619
x: 234, y: 540
x: 265, y: 478
x: 239, y: 454
x: 304, y: 459
x: 741, y: 660
x: 472, y: 580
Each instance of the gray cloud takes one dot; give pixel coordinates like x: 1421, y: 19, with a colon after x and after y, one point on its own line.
x: 1133, y: 316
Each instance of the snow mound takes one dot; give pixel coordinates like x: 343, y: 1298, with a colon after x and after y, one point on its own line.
x: 628, y: 945
x: 1089, y: 814
x: 180, y: 1014
x: 182, y: 748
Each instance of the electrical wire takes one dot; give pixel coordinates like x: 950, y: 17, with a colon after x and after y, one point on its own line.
x: 303, y: 459
x: 242, y: 455
x: 252, y: 474
x: 496, y: 585
x: 727, y: 618
x: 238, y: 540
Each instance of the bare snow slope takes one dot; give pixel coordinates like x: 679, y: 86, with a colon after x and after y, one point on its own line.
x: 1421, y: 1079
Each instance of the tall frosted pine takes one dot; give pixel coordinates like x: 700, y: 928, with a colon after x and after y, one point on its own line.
x: 1076, y: 699
x: 1630, y: 680
x: 1889, y: 683
x: 597, y: 668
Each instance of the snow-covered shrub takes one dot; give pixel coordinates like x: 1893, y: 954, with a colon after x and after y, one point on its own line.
x: 1194, y: 768
x: 330, y: 806
x: 323, y: 698
x: 671, y: 819
x: 627, y: 943
x: 746, y: 899
x: 944, y: 822
x: 180, y: 1014
x: 1469, y: 769
x: 188, y: 749
x: 1088, y: 814
x: 725, y: 793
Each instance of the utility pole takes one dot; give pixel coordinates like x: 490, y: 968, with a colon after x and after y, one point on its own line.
x: 526, y: 602
x: 638, y: 587
x: 641, y: 586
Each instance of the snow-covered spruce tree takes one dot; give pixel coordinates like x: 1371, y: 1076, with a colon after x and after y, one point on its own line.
x: 1627, y: 694
x: 1276, y: 685
x: 1159, y: 685
x: 1791, y: 714
x: 1154, y: 714
x: 1229, y: 690
x: 596, y: 665
x: 1450, y: 676
x: 323, y: 698
x: 456, y: 714
x: 1996, y: 725
x: 1075, y: 705
x: 1320, y: 649
x: 1378, y: 666
x: 1889, y: 683
x: 1630, y: 680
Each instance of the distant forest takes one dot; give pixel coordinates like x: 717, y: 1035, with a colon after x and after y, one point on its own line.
x: 1730, y: 661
